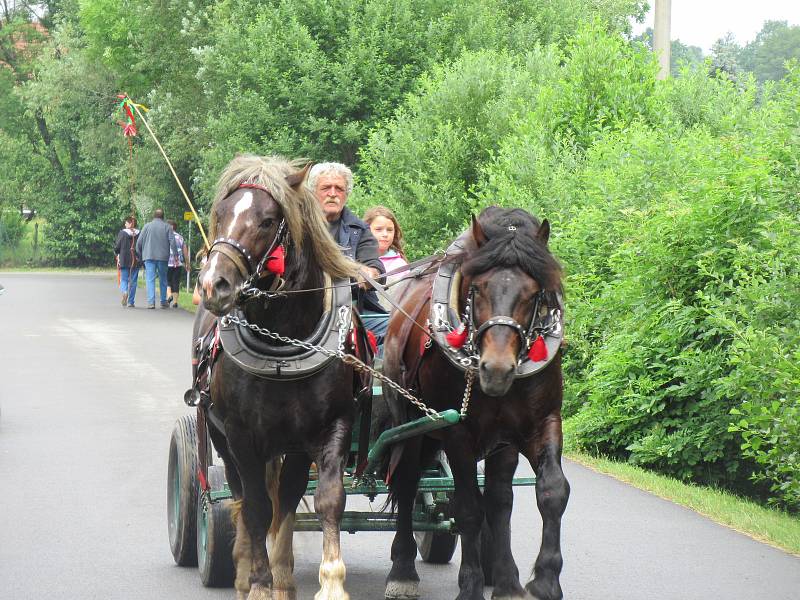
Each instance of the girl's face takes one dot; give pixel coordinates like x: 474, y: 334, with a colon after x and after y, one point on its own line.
x: 383, y: 230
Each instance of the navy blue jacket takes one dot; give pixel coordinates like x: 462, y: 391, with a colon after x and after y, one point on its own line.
x: 358, y: 243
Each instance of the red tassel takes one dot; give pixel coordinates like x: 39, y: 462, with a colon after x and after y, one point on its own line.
x: 458, y: 337
x: 373, y: 341
x: 276, y: 262
x: 202, y: 480
x: 538, y: 351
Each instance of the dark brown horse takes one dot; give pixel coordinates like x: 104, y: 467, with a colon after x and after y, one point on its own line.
x: 267, y: 398
x: 503, y: 285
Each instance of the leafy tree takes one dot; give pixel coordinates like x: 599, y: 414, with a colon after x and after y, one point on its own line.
x: 726, y: 55
x: 775, y: 44
x: 681, y: 55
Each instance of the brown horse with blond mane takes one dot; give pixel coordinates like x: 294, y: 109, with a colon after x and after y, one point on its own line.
x: 268, y: 398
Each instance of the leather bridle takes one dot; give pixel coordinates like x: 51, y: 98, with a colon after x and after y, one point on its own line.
x: 240, y: 255
x: 526, y: 335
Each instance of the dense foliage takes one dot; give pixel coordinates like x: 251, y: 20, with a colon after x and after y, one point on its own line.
x: 674, y: 204
x: 675, y: 214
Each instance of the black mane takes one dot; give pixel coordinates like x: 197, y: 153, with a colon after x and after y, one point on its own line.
x: 519, y: 248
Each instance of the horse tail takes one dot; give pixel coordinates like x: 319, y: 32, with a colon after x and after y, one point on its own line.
x: 273, y: 475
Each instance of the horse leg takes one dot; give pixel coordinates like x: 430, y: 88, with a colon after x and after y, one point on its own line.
x: 403, y: 580
x: 293, y: 482
x: 552, y: 493
x: 498, y: 501
x: 329, y: 503
x: 252, y: 525
x: 468, y: 511
x: 241, y: 554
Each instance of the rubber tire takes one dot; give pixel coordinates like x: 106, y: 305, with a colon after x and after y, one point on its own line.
x: 486, y: 552
x: 215, y: 536
x: 435, y: 547
x: 182, y: 486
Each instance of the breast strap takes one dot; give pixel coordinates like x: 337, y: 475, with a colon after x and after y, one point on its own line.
x: 258, y: 357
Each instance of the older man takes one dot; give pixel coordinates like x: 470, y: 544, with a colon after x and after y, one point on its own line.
x: 332, y: 183
x: 154, y: 245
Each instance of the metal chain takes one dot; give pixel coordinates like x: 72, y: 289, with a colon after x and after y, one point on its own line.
x: 346, y: 358
x: 469, y: 376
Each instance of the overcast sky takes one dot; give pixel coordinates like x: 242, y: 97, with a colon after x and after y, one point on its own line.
x: 703, y: 22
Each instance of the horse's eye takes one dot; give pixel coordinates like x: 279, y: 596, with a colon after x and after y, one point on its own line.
x: 266, y: 223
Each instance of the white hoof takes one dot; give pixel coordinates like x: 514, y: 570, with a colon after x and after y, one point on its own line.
x: 402, y: 590
x: 259, y: 592
x: 278, y: 594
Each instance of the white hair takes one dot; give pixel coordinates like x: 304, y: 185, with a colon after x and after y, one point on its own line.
x: 326, y: 168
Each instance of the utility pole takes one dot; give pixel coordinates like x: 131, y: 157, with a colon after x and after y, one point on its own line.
x: 661, y: 36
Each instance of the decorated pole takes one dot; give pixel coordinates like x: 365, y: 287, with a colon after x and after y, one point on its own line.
x: 129, y: 130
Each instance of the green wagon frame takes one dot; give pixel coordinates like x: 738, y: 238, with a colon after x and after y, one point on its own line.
x: 200, y: 527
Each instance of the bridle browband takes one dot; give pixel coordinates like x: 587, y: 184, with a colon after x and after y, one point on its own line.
x: 240, y: 255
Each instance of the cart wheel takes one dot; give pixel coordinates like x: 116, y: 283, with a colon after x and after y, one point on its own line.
x: 486, y: 552
x: 182, y: 491
x: 434, y: 546
x: 215, y: 535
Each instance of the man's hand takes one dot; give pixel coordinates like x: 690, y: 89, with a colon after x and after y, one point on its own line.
x: 372, y: 272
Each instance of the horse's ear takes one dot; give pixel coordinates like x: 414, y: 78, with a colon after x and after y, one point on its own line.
x: 477, y: 233
x: 543, y: 235
x: 295, y: 179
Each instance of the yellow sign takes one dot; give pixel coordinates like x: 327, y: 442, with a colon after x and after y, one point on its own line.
x: 188, y: 216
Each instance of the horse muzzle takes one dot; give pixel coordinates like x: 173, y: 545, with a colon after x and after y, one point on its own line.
x: 217, y: 287
x: 496, y: 375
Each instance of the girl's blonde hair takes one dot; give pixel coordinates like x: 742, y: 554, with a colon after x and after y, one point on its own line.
x: 381, y: 211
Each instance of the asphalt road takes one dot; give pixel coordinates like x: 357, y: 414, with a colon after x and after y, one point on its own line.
x: 89, y: 392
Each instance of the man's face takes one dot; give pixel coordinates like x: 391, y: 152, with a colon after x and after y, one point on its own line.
x: 331, y: 192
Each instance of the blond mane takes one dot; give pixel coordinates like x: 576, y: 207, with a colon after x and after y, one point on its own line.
x: 300, y: 208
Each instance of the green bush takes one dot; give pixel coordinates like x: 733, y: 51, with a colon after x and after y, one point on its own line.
x: 12, y: 228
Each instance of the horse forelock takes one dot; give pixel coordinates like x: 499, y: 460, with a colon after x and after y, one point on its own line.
x: 512, y: 242
x: 300, y: 208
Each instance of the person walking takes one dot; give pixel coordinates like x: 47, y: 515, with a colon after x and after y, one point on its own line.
x: 154, y: 245
x: 177, y: 263
x: 127, y: 261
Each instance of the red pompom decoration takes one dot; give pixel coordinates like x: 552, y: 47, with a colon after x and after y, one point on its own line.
x: 458, y: 337
x: 538, y: 351
x: 373, y: 341
x: 276, y: 261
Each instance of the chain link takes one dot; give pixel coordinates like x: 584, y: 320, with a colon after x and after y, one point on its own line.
x: 469, y: 376
x: 346, y: 358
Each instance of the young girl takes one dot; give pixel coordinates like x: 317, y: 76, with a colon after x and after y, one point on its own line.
x: 386, y: 229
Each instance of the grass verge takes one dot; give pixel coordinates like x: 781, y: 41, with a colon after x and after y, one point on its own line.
x: 770, y: 526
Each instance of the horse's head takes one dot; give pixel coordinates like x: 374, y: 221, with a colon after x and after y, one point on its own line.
x: 502, y: 280
x: 248, y: 225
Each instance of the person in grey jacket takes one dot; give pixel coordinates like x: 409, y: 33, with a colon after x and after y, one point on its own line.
x: 153, y: 247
